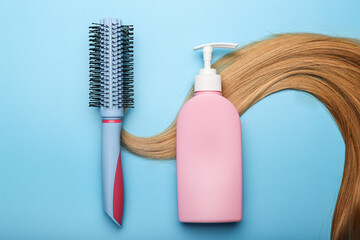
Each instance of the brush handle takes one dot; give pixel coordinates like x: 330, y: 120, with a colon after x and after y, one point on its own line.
x: 112, y: 176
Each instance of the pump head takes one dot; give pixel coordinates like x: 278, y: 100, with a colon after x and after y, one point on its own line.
x: 207, y: 79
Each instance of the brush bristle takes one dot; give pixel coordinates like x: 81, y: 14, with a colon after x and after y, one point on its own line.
x: 111, y: 66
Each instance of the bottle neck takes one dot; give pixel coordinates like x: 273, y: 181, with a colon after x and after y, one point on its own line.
x: 207, y: 92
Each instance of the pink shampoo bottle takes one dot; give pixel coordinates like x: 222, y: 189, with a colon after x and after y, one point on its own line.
x: 208, y: 151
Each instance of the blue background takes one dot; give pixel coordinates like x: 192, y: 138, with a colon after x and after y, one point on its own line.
x: 50, y: 188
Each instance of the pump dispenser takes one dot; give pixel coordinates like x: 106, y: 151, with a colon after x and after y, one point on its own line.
x: 208, y: 151
x: 208, y: 80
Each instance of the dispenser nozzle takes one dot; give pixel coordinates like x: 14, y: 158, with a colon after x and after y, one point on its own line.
x: 207, y: 51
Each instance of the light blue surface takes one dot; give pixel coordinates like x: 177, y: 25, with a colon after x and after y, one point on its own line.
x: 50, y: 184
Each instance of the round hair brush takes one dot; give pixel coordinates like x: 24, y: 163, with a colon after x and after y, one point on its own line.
x: 111, y: 89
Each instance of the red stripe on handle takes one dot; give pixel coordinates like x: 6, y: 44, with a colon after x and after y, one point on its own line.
x: 111, y: 121
x: 118, y: 200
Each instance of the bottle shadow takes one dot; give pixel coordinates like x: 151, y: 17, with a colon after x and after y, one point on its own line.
x: 219, y: 226
x: 210, y: 230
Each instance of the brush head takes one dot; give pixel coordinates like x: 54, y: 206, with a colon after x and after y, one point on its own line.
x: 111, y: 67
